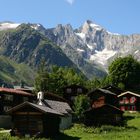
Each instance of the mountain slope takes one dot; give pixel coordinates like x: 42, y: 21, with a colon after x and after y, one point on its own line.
x: 74, y: 48
x: 13, y: 73
x: 24, y: 44
x: 90, y: 48
x: 93, y: 43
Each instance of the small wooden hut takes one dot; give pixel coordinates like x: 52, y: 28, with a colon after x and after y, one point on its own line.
x: 105, y: 114
x: 44, y: 117
x: 31, y: 119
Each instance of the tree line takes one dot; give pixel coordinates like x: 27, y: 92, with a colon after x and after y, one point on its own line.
x: 123, y: 72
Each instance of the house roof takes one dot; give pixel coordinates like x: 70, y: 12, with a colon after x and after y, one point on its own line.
x: 41, y: 108
x: 14, y: 91
x: 129, y: 92
x: 62, y: 107
x: 113, y: 89
x: 52, y: 96
x: 101, y: 90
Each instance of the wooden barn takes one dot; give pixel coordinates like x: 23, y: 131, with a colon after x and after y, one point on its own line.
x: 103, y: 115
x: 45, y: 117
x: 129, y: 101
x: 30, y: 119
x: 70, y: 92
x: 99, y: 97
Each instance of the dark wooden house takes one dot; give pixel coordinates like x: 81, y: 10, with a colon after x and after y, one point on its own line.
x: 70, y: 92
x: 31, y: 119
x: 103, y: 115
x: 104, y: 108
x: 11, y: 97
x: 44, y: 117
x: 99, y: 97
x: 129, y: 101
x: 113, y: 89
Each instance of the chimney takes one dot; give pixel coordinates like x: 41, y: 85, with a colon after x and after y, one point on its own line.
x: 40, y: 98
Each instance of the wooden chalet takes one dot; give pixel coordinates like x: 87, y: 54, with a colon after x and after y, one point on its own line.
x: 99, y: 97
x: 30, y: 119
x: 113, y: 89
x: 43, y: 118
x: 70, y: 92
x: 10, y: 97
x: 103, y: 115
x: 129, y: 101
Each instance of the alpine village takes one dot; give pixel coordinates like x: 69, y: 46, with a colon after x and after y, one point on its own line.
x: 49, y: 89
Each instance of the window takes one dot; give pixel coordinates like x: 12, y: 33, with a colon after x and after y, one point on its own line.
x: 25, y: 99
x: 79, y: 90
x: 133, y: 108
x: 128, y: 108
x: 8, y: 97
x: 133, y: 99
x: 122, y: 108
x: 68, y: 90
x: 6, y: 108
x: 125, y: 99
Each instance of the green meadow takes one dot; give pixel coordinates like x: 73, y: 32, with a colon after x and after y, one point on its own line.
x: 130, y: 131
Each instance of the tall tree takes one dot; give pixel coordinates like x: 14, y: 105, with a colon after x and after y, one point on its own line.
x: 42, y: 78
x: 81, y: 103
x: 61, y: 77
x: 56, y: 79
x: 125, y: 72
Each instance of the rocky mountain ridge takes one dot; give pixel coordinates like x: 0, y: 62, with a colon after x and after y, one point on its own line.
x: 90, y: 47
x: 94, y: 43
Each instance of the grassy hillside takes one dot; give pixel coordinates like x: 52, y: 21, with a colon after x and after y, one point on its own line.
x: 11, y: 72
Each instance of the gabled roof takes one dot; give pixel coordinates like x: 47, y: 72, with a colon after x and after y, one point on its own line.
x: 41, y: 108
x: 129, y: 92
x: 55, y: 97
x: 14, y: 91
x: 62, y: 107
x: 114, y: 89
x: 104, y: 91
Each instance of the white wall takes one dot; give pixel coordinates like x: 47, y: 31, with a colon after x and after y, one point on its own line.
x: 66, y: 122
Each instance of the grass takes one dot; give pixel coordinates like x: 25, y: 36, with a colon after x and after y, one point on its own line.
x: 80, y: 132
x: 129, y: 132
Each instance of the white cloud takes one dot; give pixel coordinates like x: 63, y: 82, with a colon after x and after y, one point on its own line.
x: 70, y: 1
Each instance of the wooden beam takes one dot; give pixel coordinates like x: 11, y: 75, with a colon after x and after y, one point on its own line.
x: 28, y: 113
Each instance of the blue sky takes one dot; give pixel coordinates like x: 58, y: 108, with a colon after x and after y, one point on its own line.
x: 118, y: 16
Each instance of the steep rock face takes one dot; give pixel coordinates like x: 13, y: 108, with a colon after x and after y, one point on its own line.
x: 24, y: 44
x: 104, y: 46
x: 75, y: 48
x: 93, y: 43
x: 90, y: 47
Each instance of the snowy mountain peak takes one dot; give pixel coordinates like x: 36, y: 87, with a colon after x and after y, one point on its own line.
x: 92, y: 25
x: 8, y: 25
x: 36, y: 26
